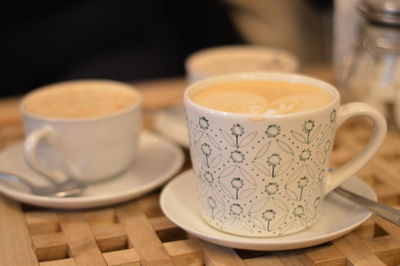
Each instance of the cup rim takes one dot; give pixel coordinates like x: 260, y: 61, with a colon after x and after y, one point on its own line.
x: 263, y: 76
x: 120, y: 84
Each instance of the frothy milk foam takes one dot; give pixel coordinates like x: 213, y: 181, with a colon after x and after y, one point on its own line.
x: 262, y: 97
x: 85, y: 99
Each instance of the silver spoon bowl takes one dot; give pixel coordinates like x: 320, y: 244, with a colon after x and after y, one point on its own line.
x: 67, y: 188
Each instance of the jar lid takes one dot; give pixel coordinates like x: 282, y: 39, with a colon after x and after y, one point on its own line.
x: 383, y: 11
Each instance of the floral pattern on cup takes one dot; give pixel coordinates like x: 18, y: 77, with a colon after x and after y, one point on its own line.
x: 282, y: 191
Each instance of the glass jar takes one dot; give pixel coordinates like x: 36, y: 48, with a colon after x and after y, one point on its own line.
x: 372, y: 71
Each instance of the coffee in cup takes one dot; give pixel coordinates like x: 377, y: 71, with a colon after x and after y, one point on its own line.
x: 263, y: 171
x: 262, y: 97
x: 230, y: 59
x: 88, y: 129
x: 80, y: 100
x: 222, y: 60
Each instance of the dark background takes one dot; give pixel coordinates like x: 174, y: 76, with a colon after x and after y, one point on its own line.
x: 47, y: 42
x: 122, y: 40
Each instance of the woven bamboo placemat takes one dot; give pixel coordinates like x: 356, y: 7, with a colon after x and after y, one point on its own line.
x: 137, y: 232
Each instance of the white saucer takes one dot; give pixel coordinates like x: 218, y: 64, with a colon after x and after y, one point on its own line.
x: 172, y: 124
x: 339, y: 216
x: 158, y: 161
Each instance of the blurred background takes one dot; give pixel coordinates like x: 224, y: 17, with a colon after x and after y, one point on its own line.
x: 42, y: 43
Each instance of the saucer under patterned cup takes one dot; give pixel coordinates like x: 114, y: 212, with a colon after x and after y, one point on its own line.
x: 267, y: 176
x: 338, y: 217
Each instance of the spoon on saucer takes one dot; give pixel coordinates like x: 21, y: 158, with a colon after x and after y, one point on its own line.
x: 382, y: 210
x: 67, y: 188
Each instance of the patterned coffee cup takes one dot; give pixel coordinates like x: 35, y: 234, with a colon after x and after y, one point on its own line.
x: 267, y: 177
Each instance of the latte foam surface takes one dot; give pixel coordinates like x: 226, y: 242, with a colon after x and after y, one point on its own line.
x: 80, y: 100
x: 262, y: 97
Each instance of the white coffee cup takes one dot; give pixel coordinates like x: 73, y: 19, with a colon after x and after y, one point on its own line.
x: 90, y: 148
x: 230, y: 59
x: 266, y: 175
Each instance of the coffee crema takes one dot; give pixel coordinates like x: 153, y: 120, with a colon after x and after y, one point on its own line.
x: 262, y: 97
x: 84, y: 99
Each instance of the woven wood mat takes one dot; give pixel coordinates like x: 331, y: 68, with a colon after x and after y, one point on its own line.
x: 137, y: 232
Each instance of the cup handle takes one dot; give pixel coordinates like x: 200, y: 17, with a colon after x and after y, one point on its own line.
x: 30, y: 152
x: 341, y: 174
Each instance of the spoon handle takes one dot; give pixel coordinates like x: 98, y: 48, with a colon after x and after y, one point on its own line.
x: 379, y: 209
x: 15, y: 178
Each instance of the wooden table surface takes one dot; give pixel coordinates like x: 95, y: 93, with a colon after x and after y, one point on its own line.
x: 137, y: 232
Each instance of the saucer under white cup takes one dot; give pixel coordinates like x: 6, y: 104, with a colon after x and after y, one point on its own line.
x: 172, y: 124
x: 159, y: 159
x: 339, y: 216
